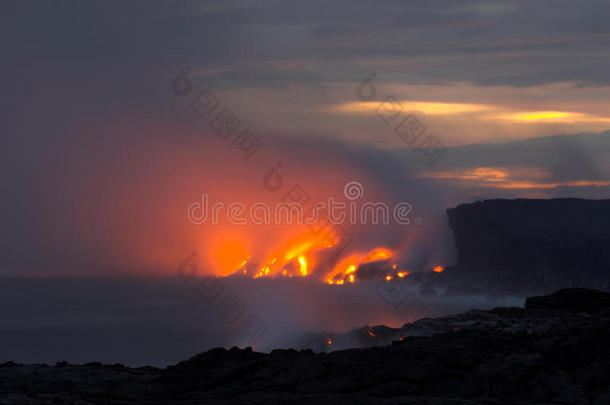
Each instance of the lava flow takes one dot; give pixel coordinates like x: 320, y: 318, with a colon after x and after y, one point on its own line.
x: 304, y: 257
x: 307, y: 257
x: 347, y: 268
x: 295, y: 259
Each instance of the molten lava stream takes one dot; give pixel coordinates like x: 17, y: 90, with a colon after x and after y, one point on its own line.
x: 347, y: 268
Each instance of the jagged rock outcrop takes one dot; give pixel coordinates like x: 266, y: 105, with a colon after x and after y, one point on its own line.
x: 555, y: 351
x: 538, y: 245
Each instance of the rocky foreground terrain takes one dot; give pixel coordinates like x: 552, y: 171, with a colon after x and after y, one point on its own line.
x: 556, y: 350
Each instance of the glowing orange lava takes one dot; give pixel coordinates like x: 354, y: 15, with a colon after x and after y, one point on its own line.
x: 295, y: 258
x: 229, y: 255
x: 346, y: 268
x: 438, y: 269
x: 300, y: 256
x: 303, y: 265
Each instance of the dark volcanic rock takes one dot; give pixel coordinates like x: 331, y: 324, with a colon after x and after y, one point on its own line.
x: 548, y: 353
x: 534, y: 244
x: 571, y: 299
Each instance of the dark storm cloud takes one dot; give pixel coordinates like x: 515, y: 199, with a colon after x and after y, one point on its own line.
x: 516, y: 43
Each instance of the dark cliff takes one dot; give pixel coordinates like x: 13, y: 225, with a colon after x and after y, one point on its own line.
x: 539, y: 244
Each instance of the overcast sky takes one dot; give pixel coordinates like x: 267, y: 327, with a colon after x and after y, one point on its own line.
x: 517, y: 91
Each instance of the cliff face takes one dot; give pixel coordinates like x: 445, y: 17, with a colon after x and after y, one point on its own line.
x: 542, y: 244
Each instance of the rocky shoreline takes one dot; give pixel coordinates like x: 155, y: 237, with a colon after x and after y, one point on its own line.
x: 553, y: 351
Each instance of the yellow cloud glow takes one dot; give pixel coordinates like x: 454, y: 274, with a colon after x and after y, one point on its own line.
x: 508, y: 178
x: 552, y: 116
x: 424, y: 107
x: 544, y: 115
x: 578, y: 183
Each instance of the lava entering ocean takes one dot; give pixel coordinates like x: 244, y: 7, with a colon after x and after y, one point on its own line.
x: 307, y: 257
